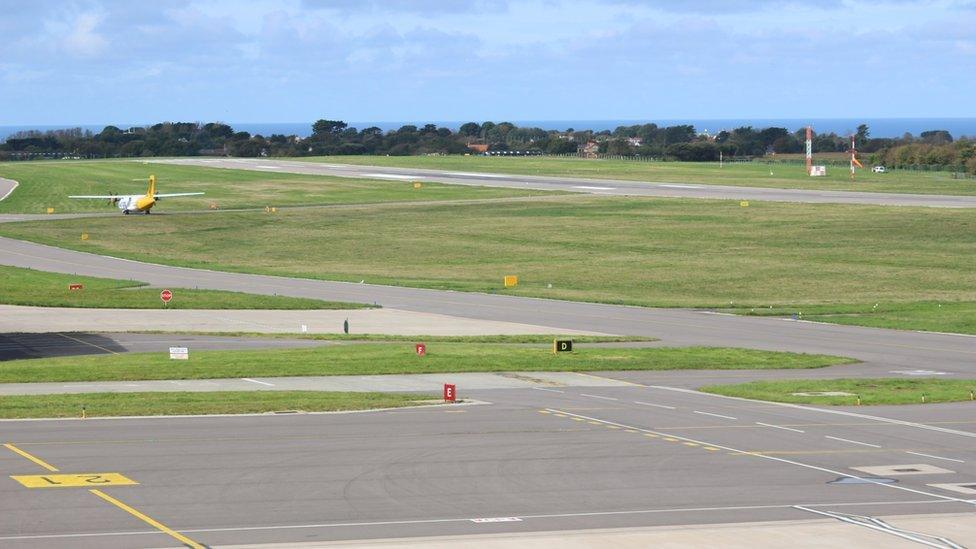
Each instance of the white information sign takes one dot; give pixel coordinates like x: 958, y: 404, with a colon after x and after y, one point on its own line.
x: 179, y: 353
x: 818, y: 171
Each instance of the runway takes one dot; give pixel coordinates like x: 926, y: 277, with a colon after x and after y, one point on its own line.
x: 533, y: 460
x: 610, y: 187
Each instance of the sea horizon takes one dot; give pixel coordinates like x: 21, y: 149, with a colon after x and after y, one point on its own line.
x: 879, y: 127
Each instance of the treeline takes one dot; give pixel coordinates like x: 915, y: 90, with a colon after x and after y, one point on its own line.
x: 335, y: 137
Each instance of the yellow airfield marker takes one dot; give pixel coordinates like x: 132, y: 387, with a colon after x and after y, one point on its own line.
x: 744, y: 203
x: 36, y: 460
x: 50, y: 210
x: 84, y: 480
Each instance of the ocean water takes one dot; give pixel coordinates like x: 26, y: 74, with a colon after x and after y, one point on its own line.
x: 879, y: 127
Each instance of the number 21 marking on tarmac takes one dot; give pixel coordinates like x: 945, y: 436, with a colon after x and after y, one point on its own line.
x: 86, y: 480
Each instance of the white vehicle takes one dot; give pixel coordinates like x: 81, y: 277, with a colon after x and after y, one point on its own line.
x: 878, y: 169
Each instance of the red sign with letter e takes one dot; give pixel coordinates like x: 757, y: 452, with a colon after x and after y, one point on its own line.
x: 450, y: 393
x: 166, y: 295
x: 421, y: 349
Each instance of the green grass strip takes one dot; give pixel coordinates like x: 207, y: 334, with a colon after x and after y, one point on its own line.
x: 871, y: 391
x: 221, y: 402
x: 372, y: 359
x: 43, y: 289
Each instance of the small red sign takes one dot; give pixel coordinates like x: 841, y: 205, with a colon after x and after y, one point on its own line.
x: 75, y: 287
x: 450, y: 393
x: 166, y: 295
x: 421, y: 349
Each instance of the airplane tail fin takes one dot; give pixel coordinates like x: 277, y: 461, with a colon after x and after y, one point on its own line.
x: 151, y: 193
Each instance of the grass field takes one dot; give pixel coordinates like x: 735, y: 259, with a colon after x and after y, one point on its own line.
x: 936, y: 316
x: 376, y: 358
x: 655, y: 252
x: 747, y: 174
x: 221, y: 402
x: 871, y: 391
x: 47, y: 185
x: 43, y: 289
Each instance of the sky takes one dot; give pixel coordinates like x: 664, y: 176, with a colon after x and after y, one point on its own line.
x: 124, y: 61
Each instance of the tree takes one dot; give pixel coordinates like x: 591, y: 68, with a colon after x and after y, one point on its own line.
x: 323, y: 128
x: 470, y: 129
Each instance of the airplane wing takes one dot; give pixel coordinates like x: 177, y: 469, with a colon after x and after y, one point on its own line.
x: 176, y: 194
x: 96, y: 196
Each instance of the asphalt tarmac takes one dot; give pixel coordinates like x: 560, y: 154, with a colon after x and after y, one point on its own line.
x: 532, y: 460
x: 53, y: 344
x: 612, y: 187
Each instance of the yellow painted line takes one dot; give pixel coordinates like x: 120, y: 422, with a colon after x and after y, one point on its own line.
x: 669, y: 439
x: 651, y: 435
x: 689, y: 443
x: 612, y: 427
x: 106, y: 349
x: 149, y: 520
x: 711, y: 449
x: 83, y: 480
x: 578, y: 419
x: 544, y: 412
x: 36, y: 460
x: 631, y: 431
x: 594, y: 423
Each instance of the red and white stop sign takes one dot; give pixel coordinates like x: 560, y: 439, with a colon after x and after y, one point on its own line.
x: 166, y: 295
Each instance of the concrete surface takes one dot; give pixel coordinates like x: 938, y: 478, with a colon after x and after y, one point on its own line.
x: 559, y: 459
x: 15, y: 318
x: 579, y: 185
x: 787, y: 533
x: 429, y: 383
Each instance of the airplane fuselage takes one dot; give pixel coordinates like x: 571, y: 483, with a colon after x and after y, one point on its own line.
x: 136, y: 203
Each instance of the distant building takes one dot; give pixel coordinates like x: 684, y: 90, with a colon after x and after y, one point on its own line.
x: 590, y: 149
x: 635, y: 141
x: 479, y: 148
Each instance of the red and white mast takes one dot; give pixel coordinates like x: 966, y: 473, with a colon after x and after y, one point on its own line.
x: 809, y: 150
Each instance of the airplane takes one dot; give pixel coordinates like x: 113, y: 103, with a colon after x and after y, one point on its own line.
x: 135, y: 202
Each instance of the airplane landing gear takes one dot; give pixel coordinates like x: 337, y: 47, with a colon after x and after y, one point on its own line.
x: 125, y: 212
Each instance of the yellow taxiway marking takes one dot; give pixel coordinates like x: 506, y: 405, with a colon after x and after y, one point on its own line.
x: 669, y: 439
x: 148, y: 520
x: 106, y: 349
x: 710, y: 448
x: 690, y: 443
x: 36, y: 460
x: 651, y: 435
x: 544, y: 412
x: 83, y: 480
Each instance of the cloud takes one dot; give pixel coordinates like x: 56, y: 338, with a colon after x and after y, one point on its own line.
x: 77, y: 34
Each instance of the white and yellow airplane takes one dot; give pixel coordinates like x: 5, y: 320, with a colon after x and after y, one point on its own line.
x: 137, y: 203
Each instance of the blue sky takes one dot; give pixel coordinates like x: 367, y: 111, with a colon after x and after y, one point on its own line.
x: 98, y: 61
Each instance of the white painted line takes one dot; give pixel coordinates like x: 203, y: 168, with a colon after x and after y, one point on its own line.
x: 715, y: 415
x: 820, y: 410
x: 779, y: 427
x: 598, y: 396
x: 391, y: 176
x: 472, y: 174
x: 764, y: 456
x: 655, y: 405
x: 446, y: 520
x: 679, y: 186
x: 934, y: 457
x: 269, y: 167
x: 6, y: 194
x: 548, y: 390
x: 258, y: 382
x: 588, y: 188
x: 853, y: 441
x: 496, y: 519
